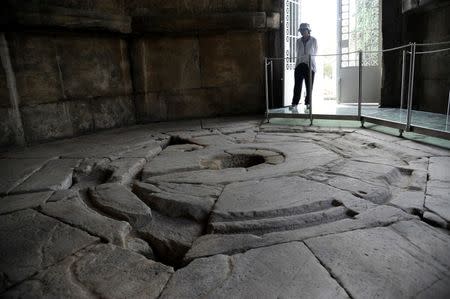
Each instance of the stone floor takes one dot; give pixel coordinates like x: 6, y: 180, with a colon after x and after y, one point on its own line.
x: 226, y: 208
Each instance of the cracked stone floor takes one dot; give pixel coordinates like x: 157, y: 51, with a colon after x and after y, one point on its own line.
x: 226, y: 208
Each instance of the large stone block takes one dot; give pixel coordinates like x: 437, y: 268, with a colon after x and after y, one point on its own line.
x: 93, y: 66
x: 193, y: 103
x: 201, y: 23
x: 231, y: 58
x: 84, y: 14
x: 46, y: 121
x: 113, y: 112
x: 7, y: 134
x: 4, y: 91
x: 150, y: 107
x: 36, y: 65
x: 166, y: 63
x: 186, y: 7
x: 33, y: 242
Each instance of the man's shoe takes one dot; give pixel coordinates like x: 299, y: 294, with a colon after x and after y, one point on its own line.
x: 293, y: 107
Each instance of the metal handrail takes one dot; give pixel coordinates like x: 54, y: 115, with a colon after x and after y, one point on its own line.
x: 410, y: 90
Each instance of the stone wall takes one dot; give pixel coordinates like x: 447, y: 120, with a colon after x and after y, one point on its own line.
x: 74, y: 67
x: 404, y: 23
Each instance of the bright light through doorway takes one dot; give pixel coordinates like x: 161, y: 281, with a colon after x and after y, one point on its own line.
x: 322, y: 16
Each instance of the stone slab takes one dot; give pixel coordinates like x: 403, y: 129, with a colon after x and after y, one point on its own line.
x: 103, y: 271
x: 212, y: 244
x: 179, y: 200
x: 70, y: 208
x: 439, y: 169
x: 281, y: 271
x: 55, y: 175
x: 15, y: 171
x: 116, y: 200
x: 18, y: 202
x: 376, y: 263
x: 170, y: 237
x: 274, y: 197
x: 124, y: 170
x: 32, y: 241
x: 434, y: 242
x: 175, y: 158
x: 298, y: 157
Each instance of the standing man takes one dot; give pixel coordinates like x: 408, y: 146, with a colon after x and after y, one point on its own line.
x: 306, y: 45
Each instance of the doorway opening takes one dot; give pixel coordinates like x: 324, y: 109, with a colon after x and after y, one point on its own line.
x: 341, y: 27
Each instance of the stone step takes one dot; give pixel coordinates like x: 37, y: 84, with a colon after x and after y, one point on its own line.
x: 267, y: 225
x: 232, y: 216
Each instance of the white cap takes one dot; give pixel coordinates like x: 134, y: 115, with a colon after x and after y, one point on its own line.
x: 304, y: 26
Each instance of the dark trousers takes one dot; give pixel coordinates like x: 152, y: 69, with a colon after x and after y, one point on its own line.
x: 302, y: 73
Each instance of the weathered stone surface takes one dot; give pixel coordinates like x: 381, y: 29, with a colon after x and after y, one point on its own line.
x: 113, y: 112
x: 124, y: 170
x: 204, y: 23
x: 438, y: 192
x: 15, y: 171
x: 257, y: 273
x: 104, y: 270
x: 32, y: 242
x: 174, y: 158
x: 18, y: 202
x: 410, y: 201
x: 170, y: 237
x: 146, y: 152
x: 46, y: 122
x: 70, y: 208
x: 105, y: 73
x: 179, y: 200
x: 55, y: 175
x: 434, y: 219
x: 214, y: 244
x: 175, y: 59
x: 36, y: 69
x: 376, y: 262
x: 298, y: 157
x: 434, y: 242
x: 224, y: 62
x: 377, y: 193
x: 140, y: 246
x: 116, y: 200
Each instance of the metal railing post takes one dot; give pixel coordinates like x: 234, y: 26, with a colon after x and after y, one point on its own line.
x: 310, y: 90
x: 411, y: 85
x: 271, y: 84
x: 448, y: 111
x: 267, y: 88
x: 402, y: 91
x: 360, y: 85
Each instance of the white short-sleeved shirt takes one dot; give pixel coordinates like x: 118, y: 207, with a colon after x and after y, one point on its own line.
x: 303, y: 52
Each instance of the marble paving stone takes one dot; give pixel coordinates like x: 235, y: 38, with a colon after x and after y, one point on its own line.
x: 32, y: 241
x: 124, y: 169
x: 377, y: 263
x: 70, y: 208
x: 118, y: 201
x: 175, y: 158
x: 211, y: 244
x: 18, y: 202
x: 179, y: 200
x: 434, y: 242
x: 280, y: 271
x: 297, y: 158
x: 274, y: 197
x: 104, y: 271
x: 15, y: 171
x: 170, y: 237
x: 55, y: 175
